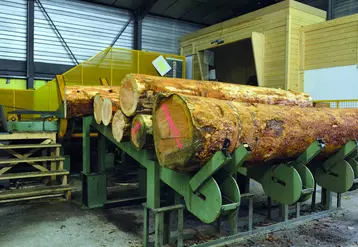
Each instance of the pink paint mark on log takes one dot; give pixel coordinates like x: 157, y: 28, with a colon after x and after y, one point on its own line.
x: 135, y: 129
x: 172, y: 126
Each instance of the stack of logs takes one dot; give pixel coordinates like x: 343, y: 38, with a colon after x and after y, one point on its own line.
x: 187, y: 121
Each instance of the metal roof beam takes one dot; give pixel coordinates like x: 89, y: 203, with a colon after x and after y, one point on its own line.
x: 144, y: 8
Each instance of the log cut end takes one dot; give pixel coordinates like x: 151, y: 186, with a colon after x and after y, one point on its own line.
x: 106, y: 111
x: 141, y: 131
x: 97, y: 108
x: 129, y: 95
x: 173, y: 132
x: 119, y: 123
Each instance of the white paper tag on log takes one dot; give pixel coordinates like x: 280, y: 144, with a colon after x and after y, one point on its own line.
x: 161, y: 65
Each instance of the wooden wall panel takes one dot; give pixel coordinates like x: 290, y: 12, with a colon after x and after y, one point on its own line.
x: 332, y: 45
x: 298, y: 20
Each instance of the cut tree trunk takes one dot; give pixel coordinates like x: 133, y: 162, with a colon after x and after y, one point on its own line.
x: 109, y: 106
x: 141, y: 131
x: 188, y: 130
x: 120, y: 126
x: 79, y: 99
x: 138, y: 91
x: 97, y: 108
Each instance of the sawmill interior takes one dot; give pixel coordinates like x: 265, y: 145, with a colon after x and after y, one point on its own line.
x: 178, y: 123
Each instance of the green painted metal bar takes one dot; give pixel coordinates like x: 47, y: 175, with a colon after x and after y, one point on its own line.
x: 101, y: 153
x: 311, y: 152
x: 146, y: 227
x: 238, y: 158
x: 86, y: 151
x: 208, y: 170
x: 346, y: 150
x: 153, y: 186
x: 180, y: 227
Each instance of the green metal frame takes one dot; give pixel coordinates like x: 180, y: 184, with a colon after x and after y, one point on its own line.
x: 336, y: 174
x: 209, y: 193
x: 287, y: 183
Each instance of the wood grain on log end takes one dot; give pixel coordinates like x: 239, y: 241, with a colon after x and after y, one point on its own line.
x: 128, y: 95
x: 97, y: 108
x: 106, y: 111
x: 119, y: 123
x: 141, y: 131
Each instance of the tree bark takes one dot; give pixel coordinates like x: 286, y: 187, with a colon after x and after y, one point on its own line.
x: 188, y: 130
x: 120, y: 126
x: 138, y: 91
x: 141, y: 131
x: 79, y: 99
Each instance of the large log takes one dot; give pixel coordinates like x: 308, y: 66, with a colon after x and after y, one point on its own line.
x: 138, y: 91
x: 141, y: 131
x: 188, y: 130
x: 79, y: 99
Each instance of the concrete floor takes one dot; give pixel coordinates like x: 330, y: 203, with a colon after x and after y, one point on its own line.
x: 56, y: 223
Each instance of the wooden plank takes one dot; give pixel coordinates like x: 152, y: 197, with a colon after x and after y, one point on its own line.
x: 357, y: 46
x: 238, y: 20
x: 29, y: 192
x: 334, y: 22
x: 329, y: 55
x: 337, y: 31
x: 329, y: 28
x: 288, y: 50
x: 331, y: 38
x: 32, y: 174
x: 315, y: 47
x: 332, y: 62
x: 243, y: 31
x: 258, y: 45
x: 30, y: 160
x: 30, y: 198
x: 22, y: 146
x: 308, y: 9
x: 332, y: 49
x: 28, y: 135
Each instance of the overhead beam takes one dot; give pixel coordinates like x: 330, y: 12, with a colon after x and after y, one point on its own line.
x: 30, y: 67
x: 144, y: 8
x: 138, y: 32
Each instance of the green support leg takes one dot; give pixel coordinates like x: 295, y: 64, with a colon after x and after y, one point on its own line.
x: 326, y: 199
x: 153, y: 186
x: 159, y: 237
x: 101, y: 153
x: 233, y: 222
x: 146, y: 227
x: 284, y: 210
x: 251, y: 212
x: 86, y: 151
x: 180, y: 227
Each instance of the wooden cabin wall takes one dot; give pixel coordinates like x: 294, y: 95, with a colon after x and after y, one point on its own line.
x: 330, y: 58
x: 283, y: 49
x: 297, y: 20
x: 271, y: 21
x: 332, y: 43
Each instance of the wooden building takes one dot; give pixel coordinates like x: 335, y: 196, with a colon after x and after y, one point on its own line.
x: 264, y: 44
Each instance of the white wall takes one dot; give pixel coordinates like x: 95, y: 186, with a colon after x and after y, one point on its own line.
x: 332, y: 83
